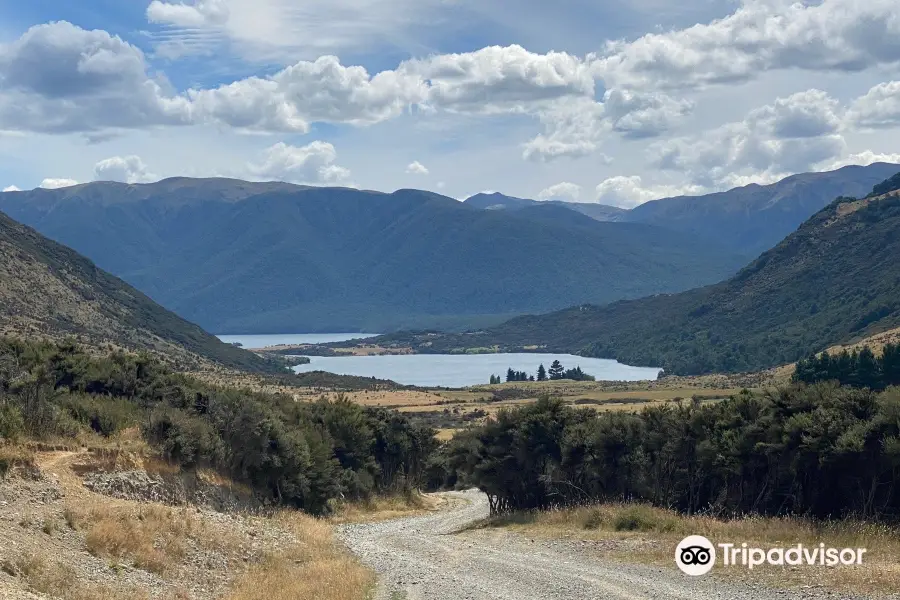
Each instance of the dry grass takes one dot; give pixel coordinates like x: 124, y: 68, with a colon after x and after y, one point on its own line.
x: 312, y: 568
x: 648, y: 534
x: 382, y: 508
x: 151, y: 537
x: 446, y: 434
x: 14, y: 457
x: 46, y: 576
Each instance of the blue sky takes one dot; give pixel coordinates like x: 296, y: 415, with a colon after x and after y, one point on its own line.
x: 578, y: 100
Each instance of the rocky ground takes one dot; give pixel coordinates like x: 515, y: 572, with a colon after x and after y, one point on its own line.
x: 428, y: 558
x: 74, y: 533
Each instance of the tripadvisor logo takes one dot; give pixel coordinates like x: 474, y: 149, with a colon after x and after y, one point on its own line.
x: 696, y: 555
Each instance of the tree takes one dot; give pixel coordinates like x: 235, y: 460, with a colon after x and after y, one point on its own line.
x: 510, y: 375
x: 556, y: 370
x: 542, y: 373
x: 890, y: 364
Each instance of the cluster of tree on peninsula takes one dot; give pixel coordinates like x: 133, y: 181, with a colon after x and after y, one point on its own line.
x: 556, y: 371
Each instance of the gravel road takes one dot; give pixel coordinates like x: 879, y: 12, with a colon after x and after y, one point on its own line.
x: 423, y: 558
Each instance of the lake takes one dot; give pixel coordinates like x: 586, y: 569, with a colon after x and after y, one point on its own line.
x: 261, y: 341
x: 462, y: 370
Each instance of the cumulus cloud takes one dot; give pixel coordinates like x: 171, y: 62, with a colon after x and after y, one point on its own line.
x: 306, y: 92
x: 806, y: 114
x: 628, y: 192
x: 792, y: 135
x: 572, y: 129
x: 640, y: 115
x: 125, y: 169
x: 866, y: 157
x: 416, y: 168
x: 60, y: 78
x: 837, y: 35
x: 500, y: 79
x: 879, y: 108
x: 560, y: 191
x: 11, y: 188
x: 312, y: 164
x: 52, y: 183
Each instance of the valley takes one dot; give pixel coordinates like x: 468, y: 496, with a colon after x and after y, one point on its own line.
x: 185, y: 465
x: 449, y: 300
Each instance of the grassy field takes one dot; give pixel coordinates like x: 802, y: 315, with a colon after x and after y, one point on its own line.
x: 450, y: 410
x: 453, y: 409
x: 646, y: 534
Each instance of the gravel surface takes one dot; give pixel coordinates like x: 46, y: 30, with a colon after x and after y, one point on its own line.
x: 423, y: 558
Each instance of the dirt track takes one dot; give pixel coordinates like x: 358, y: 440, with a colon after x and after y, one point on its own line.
x: 421, y: 558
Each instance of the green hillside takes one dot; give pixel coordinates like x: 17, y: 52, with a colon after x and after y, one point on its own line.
x: 834, y: 280
x: 334, y: 259
x: 50, y: 291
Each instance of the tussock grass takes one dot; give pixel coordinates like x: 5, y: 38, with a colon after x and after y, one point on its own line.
x: 151, y: 537
x: 312, y: 568
x: 46, y: 576
x: 14, y: 456
x: 382, y: 508
x: 648, y: 534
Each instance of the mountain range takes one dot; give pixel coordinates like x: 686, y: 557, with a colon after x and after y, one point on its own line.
x: 748, y: 220
x: 834, y: 280
x: 243, y: 257
x: 240, y: 257
x: 48, y: 291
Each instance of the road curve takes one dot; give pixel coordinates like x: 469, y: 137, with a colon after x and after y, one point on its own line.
x: 423, y: 558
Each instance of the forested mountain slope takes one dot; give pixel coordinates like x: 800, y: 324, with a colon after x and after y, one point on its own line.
x: 50, y: 291
x: 834, y: 280
x: 314, y: 259
x: 749, y: 219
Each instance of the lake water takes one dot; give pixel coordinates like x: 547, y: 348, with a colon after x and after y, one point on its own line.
x: 261, y: 341
x: 462, y: 370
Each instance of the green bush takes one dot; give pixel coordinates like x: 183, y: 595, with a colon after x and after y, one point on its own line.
x: 303, y: 454
x: 12, y: 424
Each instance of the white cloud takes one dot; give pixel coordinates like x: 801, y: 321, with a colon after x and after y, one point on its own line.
x: 416, y: 168
x: 11, y: 188
x: 560, y: 191
x: 829, y: 35
x: 639, y: 115
x: 282, y: 31
x: 572, y: 128
x: 126, y: 169
x: 306, y: 92
x: 201, y: 13
x: 879, y: 108
x: 501, y: 79
x: 866, y: 157
x: 311, y: 164
x: 792, y: 135
x: 51, y: 183
x: 628, y: 192
x: 61, y: 78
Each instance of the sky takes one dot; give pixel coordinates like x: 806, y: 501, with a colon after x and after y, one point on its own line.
x: 580, y: 100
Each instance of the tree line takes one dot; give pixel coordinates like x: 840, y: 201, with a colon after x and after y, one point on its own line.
x: 821, y: 451
x: 557, y: 371
x: 296, y: 453
x: 861, y: 369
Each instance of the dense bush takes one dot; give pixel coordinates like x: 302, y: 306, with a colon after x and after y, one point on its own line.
x: 822, y: 451
x: 303, y: 454
x: 858, y: 369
